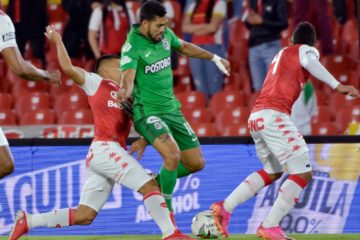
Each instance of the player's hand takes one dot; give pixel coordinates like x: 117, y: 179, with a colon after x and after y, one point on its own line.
x: 52, y: 34
x: 254, y: 18
x: 121, y: 96
x: 222, y: 64
x: 55, y: 77
x: 139, y: 147
x: 348, y: 90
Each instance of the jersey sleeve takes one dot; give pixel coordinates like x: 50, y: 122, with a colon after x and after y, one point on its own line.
x: 129, y: 55
x: 92, y: 83
x: 309, y: 59
x: 7, y: 32
x: 175, y: 42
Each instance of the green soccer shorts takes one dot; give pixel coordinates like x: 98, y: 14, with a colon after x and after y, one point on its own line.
x: 151, y: 127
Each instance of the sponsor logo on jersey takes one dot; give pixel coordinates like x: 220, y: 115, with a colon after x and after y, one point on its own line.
x: 166, y: 44
x: 125, y: 60
x: 113, y: 94
x: 8, y: 36
x: 158, y: 66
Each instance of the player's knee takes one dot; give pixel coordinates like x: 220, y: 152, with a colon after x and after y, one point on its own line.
x: 197, y: 165
x: 275, y: 176
x: 307, y: 176
x: 7, y: 169
x: 148, y: 187
x: 172, y: 159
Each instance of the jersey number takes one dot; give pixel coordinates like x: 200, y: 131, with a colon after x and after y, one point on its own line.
x: 276, y: 60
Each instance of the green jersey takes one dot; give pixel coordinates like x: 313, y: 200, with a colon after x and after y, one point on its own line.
x: 153, y: 87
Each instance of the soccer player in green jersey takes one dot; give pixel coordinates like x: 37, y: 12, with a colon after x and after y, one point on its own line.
x: 148, y: 80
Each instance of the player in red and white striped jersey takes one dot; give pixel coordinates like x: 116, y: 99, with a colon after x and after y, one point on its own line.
x: 278, y: 142
x: 107, y: 161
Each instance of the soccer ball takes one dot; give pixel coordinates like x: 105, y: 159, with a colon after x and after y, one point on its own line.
x: 203, y: 225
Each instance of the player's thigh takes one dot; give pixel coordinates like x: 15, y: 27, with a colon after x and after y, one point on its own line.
x: 115, y: 163
x: 182, y: 132
x: 151, y: 127
x: 298, y: 165
x: 96, y: 191
x: 282, y: 137
x: 270, y: 163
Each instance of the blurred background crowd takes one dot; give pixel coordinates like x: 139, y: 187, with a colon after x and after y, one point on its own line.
x: 247, y: 32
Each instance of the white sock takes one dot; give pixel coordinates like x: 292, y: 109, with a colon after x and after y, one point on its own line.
x: 57, y: 218
x: 287, y: 198
x: 158, y: 210
x: 247, y: 189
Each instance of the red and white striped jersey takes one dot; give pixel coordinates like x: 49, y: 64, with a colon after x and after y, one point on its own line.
x: 110, y: 122
x: 285, y: 79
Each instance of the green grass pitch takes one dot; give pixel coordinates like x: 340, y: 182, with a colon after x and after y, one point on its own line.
x: 157, y: 237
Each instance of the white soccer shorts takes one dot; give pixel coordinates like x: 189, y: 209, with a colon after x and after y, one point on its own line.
x: 278, y: 142
x: 3, y: 140
x: 108, y: 163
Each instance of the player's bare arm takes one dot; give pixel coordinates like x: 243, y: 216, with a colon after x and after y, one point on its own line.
x: 25, y: 69
x: 127, y: 85
x: 191, y: 50
x: 75, y: 73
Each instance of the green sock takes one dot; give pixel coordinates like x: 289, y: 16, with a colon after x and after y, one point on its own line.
x: 168, y: 181
x: 182, y: 171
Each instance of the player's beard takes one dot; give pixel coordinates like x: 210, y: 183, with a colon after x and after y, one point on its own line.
x: 152, y: 37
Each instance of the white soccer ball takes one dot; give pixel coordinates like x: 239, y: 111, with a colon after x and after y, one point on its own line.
x: 203, y: 225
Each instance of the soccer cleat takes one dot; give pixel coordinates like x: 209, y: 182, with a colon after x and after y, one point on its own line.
x: 221, y: 218
x: 272, y: 233
x: 20, y: 228
x: 177, y: 235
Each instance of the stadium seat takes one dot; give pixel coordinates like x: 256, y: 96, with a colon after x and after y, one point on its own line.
x: 231, y: 116
x: 347, y: 115
x: 338, y: 100
x: 31, y: 101
x: 225, y: 100
x: 22, y: 87
x: 347, y: 78
x: 7, y: 117
x: 238, y: 32
x: 195, y: 116
x: 81, y: 116
x: 322, y: 98
x: 252, y: 99
x: 192, y: 100
x: 38, y: 117
x: 205, y: 130
x: 182, y: 84
x: 5, y: 101
x: 235, y: 130
x: 183, y: 68
x: 74, y: 99
x: 324, y: 128
x: 338, y: 64
x: 324, y: 114
x: 56, y: 13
